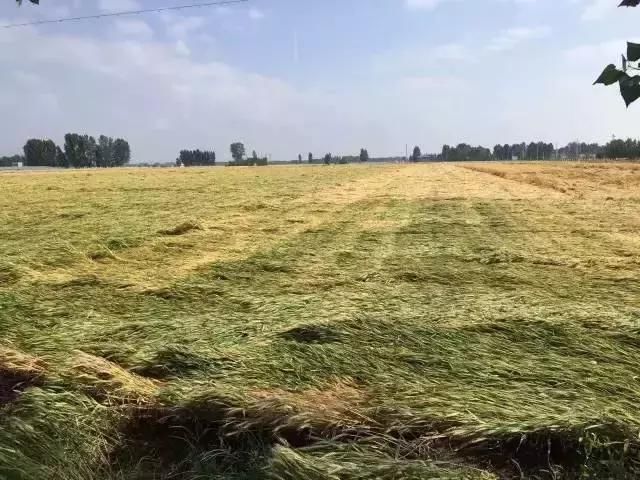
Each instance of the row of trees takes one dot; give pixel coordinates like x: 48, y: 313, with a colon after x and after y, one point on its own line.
x: 465, y: 152
x: 328, y: 158
x: 195, y: 158
x: 238, y: 153
x: 616, y: 148
x: 528, y: 151
x: 11, y: 161
x: 80, y: 151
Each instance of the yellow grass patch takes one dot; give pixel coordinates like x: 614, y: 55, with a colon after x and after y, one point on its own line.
x: 107, y: 381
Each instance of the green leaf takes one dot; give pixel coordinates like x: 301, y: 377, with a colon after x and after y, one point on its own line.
x: 630, y: 89
x: 633, y: 51
x: 610, y: 75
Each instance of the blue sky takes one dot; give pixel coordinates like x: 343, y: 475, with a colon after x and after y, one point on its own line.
x: 293, y: 76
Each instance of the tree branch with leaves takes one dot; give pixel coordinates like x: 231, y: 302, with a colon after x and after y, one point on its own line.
x: 628, y: 82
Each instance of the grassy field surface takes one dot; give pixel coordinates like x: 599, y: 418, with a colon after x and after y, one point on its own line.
x: 472, y: 321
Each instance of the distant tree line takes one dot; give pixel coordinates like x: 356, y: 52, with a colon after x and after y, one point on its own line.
x: 11, y: 161
x: 524, y: 151
x: 465, y: 152
x: 328, y: 158
x: 196, y: 158
x: 616, y: 148
x: 80, y: 151
x: 238, y: 153
x: 83, y: 151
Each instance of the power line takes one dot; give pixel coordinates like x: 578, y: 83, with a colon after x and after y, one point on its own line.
x: 123, y: 13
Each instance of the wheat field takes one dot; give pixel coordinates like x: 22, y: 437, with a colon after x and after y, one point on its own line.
x: 456, y: 321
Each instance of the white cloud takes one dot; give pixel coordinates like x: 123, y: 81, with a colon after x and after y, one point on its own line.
x: 423, y: 4
x: 449, y: 51
x: 180, y: 26
x: 164, y: 92
x: 431, y: 4
x: 596, y: 53
x: 598, y: 9
x: 135, y: 89
x: 182, y: 49
x: 255, y: 14
x: 418, y: 60
x: 52, y: 12
x: 430, y: 83
x: 133, y: 28
x: 512, y: 37
x: 118, y: 5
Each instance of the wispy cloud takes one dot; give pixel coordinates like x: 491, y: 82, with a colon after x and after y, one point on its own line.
x: 133, y: 28
x: 431, y: 4
x: 255, y: 14
x: 118, y: 5
x: 416, y: 60
x: 181, y: 27
x: 423, y: 4
x: 598, y: 9
x: 512, y: 37
x: 430, y: 83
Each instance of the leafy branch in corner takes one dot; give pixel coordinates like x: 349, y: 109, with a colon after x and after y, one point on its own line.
x: 629, y: 84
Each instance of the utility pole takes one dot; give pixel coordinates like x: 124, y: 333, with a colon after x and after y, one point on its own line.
x: 406, y: 152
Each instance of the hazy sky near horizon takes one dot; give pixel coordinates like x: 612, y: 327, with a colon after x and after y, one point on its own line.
x: 293, y: 76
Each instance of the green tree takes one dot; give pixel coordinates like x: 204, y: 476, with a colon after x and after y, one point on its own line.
x: 73, y: 150
x: 61, y: 158
x: 629, y: 84
x: 190, y: 158
x: 31, y: 151
x: 310, y: 157
x: 299, y: 158
x: 415, y: 156
x: 104, y: 156
x: 446, y: 153
x: 82, y: 151
x: 327, y: 159
x: 364, y: 155
x: 90, y: 151
x: 121, y: 152
x: 11, y: 161
x: 237, y: 151
x: 40, y: 153
x: 531, y: 152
